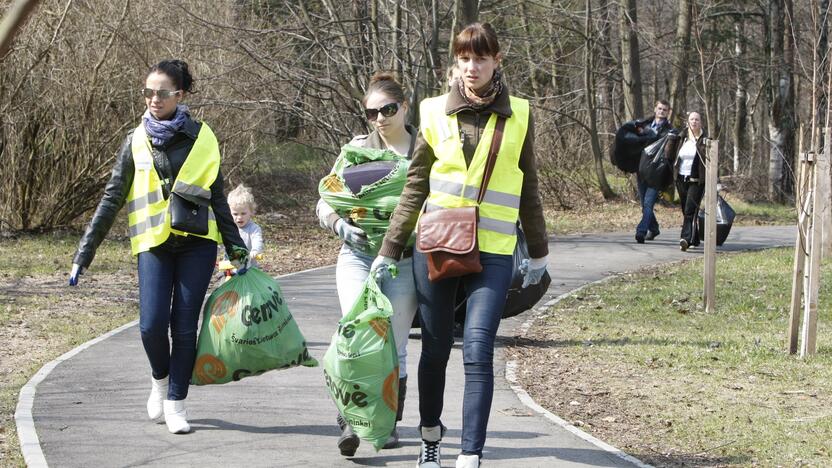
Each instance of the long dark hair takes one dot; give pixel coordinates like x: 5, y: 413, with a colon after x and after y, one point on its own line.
x: 178, y: 71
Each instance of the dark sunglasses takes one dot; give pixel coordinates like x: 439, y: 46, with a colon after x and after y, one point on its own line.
x: 162, y: 93
x: 388, y: 111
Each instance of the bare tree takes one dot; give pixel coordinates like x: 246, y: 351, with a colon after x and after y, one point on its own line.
x: 589, y: 95
x: 782, y: 119
x: 681, y: 48
x: 630, y: 62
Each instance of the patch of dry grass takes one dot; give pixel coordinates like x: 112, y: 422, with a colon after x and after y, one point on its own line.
x: 639, y: 364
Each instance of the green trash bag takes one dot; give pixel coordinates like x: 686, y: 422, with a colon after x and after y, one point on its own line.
x: 361, y: 367
x: 247, y: 330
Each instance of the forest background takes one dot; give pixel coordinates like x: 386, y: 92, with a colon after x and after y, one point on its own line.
x: 281, y: 83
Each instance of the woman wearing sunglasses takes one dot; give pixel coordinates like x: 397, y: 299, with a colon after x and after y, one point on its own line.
x: 385, y: 107
x: 455, y: 137
x: 168, y: 160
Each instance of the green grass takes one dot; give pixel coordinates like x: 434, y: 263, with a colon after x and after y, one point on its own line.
x: 53, y: 253
x: 764, y: 212
x: 712, y: 386
x: 42, y: 318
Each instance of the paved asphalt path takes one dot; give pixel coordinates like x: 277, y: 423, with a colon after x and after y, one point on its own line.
x: 90, y: 410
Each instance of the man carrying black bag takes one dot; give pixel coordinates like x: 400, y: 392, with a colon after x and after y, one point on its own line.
x: 657, y: 125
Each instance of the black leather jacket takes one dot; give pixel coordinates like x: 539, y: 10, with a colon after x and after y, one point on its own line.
x: 118, y: 187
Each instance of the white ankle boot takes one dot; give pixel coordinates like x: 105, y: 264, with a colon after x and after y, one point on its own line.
x: 176, y: 417
x: 429, y: 455
x: 158, y: 393
x: 468, y: 461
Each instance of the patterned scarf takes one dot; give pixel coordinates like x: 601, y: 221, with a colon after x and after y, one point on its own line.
x: 479, y: 102
x: 161, y: 131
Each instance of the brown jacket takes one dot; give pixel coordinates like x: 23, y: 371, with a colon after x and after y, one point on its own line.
x: 471, y: 126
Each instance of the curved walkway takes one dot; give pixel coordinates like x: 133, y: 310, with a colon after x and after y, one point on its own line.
x: 88, y: 408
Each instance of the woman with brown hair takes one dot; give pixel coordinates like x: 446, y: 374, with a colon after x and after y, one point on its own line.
x: 385, y: 107
x: 455, y: 136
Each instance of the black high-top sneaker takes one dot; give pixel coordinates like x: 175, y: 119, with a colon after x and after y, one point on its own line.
x: 429, y: 455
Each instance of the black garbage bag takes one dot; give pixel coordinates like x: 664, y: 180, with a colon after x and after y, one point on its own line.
x: 724, y: 220
x: 518, y: 299
x: 656, y: 165
x: 630, y: 140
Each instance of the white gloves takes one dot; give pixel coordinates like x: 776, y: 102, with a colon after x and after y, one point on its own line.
x: 533, y: 270
x: 384, y: 268
x: 77, y: 271
x: 353, y: 236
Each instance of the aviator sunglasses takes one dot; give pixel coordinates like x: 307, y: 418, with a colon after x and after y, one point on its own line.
x: 162, y: 93
x: 388, y: 110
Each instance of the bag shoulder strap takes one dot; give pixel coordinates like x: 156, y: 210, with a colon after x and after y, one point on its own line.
x: 492, y: 156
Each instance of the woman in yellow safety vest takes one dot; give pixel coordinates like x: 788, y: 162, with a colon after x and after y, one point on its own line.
x: 167, y: 166
x: 446, y: 172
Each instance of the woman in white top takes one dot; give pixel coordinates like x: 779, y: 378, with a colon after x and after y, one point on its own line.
x: 690, y: 177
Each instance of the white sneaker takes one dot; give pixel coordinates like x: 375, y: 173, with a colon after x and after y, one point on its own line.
x: 176, y: 417
x: 429, y: 455
x: 158, y: 393
x: 468, y: 461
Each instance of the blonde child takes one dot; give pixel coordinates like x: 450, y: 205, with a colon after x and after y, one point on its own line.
x: 243, y: 207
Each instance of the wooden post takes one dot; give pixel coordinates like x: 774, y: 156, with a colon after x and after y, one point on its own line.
x: 15, y: 18
x: 820, y: 202
x: 801, y: 198
x: 712, y: 156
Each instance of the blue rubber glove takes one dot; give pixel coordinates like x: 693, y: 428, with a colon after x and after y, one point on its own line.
x: 74, y: 275
x: 384, y: 268
x: 533, y: 270
x: 353, y: 236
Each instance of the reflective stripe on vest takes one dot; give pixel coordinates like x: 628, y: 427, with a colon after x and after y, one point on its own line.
x: 452, y: 184
x: 147, y: 209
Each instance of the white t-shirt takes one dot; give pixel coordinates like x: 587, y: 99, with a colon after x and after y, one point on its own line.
x: 686, y: 154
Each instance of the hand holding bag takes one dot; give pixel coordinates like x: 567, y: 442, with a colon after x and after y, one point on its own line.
x: 449, y: 236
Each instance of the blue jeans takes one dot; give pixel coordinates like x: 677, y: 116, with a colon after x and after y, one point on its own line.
x: 486, y: 299
x: 350, y: 274
x: 173, y: 279
x: 647, y: 196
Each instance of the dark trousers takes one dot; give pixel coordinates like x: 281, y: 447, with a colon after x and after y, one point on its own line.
x: 690, y: 194
x: 173, y: 279
x: 647, y: 196
x: 486, y: 299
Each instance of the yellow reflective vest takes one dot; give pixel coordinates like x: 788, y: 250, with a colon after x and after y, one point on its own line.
x: 147, y: 209
x: 453, y: 185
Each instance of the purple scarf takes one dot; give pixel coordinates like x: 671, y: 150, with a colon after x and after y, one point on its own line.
x: 161, y: 131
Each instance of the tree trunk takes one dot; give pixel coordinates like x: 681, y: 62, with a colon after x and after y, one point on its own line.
x: 630, y: 63
x: 589, y: 94
x: 821, y: 61
x: 530, y: 61
x: 781, y: 121
x: 469, y: 12
x: 681, y: 47
x: 396, y: 42
x: 374, y: 36
x: 740, y: 97
x: 607, y: 66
